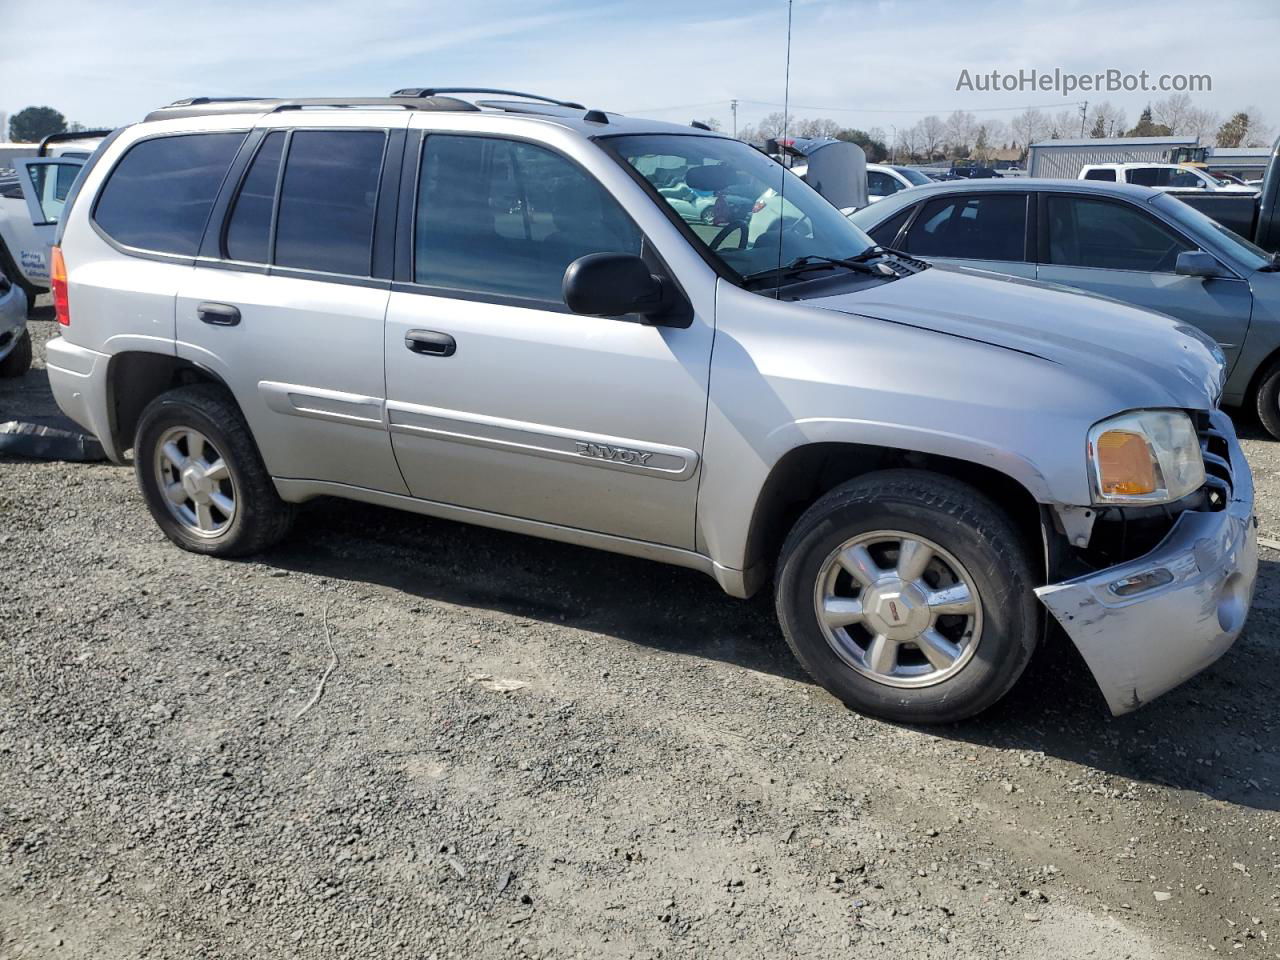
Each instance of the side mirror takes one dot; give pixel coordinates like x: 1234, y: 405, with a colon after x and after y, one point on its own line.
x: 613, y: 285
x: 1196, y: 263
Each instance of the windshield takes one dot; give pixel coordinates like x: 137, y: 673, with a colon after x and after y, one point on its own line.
x: 1251, y: 257
x: 746, y: 209
x: 913, y: 176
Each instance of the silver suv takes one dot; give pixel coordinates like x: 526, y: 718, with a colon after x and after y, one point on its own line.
x: 488, y: 310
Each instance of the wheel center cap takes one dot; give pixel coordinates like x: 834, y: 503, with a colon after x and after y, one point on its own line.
x: 898, y: 610
x: 197, y: 485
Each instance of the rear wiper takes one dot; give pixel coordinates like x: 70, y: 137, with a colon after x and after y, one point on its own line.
x: 811, y: 262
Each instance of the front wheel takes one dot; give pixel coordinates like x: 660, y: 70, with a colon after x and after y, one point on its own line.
x: 1268, y: 400
x: 908, y: 595
x: 202, y: 476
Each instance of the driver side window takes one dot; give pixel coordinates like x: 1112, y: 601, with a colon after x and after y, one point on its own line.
x: 504, y: 217
x: 1104, y: 234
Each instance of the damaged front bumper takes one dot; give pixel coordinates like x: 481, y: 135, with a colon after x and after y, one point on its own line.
x: 1145, y: 626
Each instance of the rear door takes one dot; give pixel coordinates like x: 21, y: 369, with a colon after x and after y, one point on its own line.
x: 287, y: 301
x: 46, y: 184
x: 1121, y: 250
x: 986, y: 230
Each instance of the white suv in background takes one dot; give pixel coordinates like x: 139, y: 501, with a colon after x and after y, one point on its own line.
x: 1161, y: 176
x: 884, y: 180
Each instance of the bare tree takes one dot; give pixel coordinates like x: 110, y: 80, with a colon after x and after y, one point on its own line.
x: 1029, y: 126
x: 1107, y: 120
x: 908, y: 142
x: 962, y: 127
x: 770, y: 126
x: 997, y: 133
x: 932, y: 130
x: 822, y: 127
x: 1172, y: 111
x: 749, y: 134
x: 1201, y: 123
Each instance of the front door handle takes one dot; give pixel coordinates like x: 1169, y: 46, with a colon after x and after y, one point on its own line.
x: 218, y: 314
x: 430, y: 343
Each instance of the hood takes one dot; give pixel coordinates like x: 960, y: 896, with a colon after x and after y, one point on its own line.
x: 1157, y: 361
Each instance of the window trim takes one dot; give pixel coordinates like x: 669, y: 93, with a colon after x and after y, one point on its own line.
x: 407, y: 223
x: 1042, y: 246
x: 1028, y: 218
x: 143, y: 253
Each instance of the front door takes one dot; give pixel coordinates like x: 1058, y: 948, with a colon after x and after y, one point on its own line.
x: 1116, y: 249
x: 501, y: 400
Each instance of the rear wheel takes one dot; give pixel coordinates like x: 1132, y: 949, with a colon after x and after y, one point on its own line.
x: 202, y: 476
x: 1267, y: 400
x: 18, y: 360
x: 908, y: 595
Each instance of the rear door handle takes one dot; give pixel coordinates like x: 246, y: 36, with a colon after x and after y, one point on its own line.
x: 430, y: 343
x: 218, y: 314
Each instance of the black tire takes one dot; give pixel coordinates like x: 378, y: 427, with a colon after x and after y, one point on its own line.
x: 260, y: 517
x: 10, y: 270
x: 1267, y: 400
x: 18, y: 360
x: 965, y: 523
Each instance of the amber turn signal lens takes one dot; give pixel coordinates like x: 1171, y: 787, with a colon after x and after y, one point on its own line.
x: 1125, y: 466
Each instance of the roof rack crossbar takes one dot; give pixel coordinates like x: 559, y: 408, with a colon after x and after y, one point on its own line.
x: 428, y: 102
x: 434, y: 91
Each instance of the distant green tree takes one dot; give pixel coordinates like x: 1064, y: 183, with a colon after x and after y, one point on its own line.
x: 1149, y: 128
x: 875, y: 149
x: 1233, y: 132
x: 1099, y: 128
x: 33, y: 124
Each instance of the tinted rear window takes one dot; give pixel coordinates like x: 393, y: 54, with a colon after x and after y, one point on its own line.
x: 327, y: 201
x: 1107, y: 175
x: 159, y: 195
x: 989, y: 226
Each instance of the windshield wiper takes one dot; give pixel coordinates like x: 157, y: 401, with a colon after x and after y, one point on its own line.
x: 813, y: 261
x: 879, y: 250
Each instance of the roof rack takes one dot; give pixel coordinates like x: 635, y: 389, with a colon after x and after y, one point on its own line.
x: 436, y: 91
x: 69, y: 135
x: 207, y: 106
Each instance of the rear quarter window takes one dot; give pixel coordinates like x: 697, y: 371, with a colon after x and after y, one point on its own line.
x: 159, y: 195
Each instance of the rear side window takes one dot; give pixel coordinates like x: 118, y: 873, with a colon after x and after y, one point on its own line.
x: 328, y: 199
x: 887, y: 232
x: 991, y: 226
x: 1108, y: 175
x: 159, y: 195
x: 249, y: 230
x: 507, y: 218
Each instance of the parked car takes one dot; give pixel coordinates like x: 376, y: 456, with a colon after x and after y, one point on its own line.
x: 1161, y: 176
x: 971, y: 173
x: 1134, y: 244
x: 884, y: 180
x: 15, y: 339
x: 28, y: 218
x: 269, y: 304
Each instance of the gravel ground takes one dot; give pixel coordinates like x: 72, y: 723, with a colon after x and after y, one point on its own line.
x: 528, y: 749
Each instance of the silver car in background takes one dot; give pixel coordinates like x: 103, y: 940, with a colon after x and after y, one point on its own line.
x: 1136, y: 245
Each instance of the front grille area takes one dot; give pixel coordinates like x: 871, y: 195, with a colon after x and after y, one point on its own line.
x: 1216, y: 451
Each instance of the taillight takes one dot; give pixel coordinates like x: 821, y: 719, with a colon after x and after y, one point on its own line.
x: 58, y: 284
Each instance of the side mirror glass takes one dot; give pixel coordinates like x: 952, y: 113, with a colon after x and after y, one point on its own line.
x: 612, y: 285
x: 1196, y: 263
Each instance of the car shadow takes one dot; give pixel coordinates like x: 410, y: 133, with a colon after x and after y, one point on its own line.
x: 1210, y: 736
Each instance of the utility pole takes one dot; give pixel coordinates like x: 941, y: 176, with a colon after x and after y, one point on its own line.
x: 1084, y: 113
x: 733, y: 105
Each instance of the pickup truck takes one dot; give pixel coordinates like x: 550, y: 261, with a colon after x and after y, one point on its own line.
x: 1255, y: 215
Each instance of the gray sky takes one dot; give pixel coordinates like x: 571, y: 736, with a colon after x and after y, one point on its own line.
x: 864, y: 63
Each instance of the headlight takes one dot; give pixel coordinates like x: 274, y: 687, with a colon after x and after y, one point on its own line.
x: 1149, y: 456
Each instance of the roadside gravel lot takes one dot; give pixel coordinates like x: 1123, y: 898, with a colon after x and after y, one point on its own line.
x: 527, y: 749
